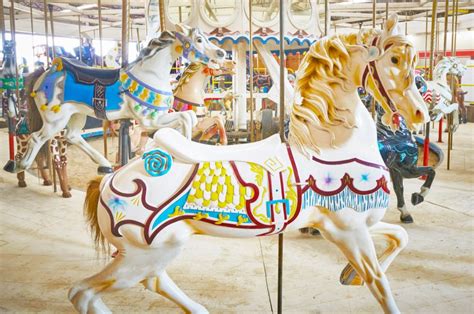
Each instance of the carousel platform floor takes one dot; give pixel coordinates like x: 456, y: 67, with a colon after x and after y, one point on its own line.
x: 45, y: 247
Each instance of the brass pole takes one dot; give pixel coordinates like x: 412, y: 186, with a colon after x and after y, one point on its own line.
x: 2, y: 23
x: 326, y: 17
x: 32, y: 29
x: 80, y: 37
x: 432, y: 40
x: 50, y: 7
x: 374, y: 2
x: 13, y: 38
x: 252, y: 128
x: 426, y: 43
x: 124, y: 33
x: 45, y: 8
x: 99, y: 9
x: 386, y: 10
x: 453, y: 81
x: 282, y: 136
x: 162, y: 15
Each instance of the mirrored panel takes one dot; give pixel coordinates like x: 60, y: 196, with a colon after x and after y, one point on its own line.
x: 219, y: 12
x: 179, y: 11
x: 300, y: 12
x: 265, y: 11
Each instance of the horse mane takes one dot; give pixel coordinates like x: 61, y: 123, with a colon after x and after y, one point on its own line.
x: 33, y: 115
x: 187, y: 74
x: 322, y: 68
x: 155, y: 45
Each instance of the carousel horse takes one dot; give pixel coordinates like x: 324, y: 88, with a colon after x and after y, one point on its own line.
x: 399, y: 150
x: 67, y: 93
x: 189, y: 95
x: 440, y: 90
x: 329, y: 176
x: 29, y: 122
x: 8, y: 80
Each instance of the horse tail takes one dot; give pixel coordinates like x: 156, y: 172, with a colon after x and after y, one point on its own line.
x: 91, y: 204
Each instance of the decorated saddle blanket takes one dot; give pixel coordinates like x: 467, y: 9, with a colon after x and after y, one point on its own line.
x: 244, y: 195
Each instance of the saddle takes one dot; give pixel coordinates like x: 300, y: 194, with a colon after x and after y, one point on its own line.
x: 100, y: 79
x: 192, y: 152
x: 88, y: 75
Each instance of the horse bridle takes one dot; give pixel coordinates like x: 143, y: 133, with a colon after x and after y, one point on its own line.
x: 189, y: 47
x: 371, y: 69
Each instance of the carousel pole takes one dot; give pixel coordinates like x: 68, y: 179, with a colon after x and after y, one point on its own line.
x: 32, y: 29
x: 252, y: 128
x: 2, y: 24
x: 80, y: 39
x: 453, y: 81
x: 124, y: 132
x: 445, y: 44
x: 426, y: 146
x: 283, y: 138
x: 372, y: 101
x: 99, y: 9
x: 161, y: 4
x: 326, y: 17
x: 50, y: 7
x: 426, y: 44
x: 45, y: 9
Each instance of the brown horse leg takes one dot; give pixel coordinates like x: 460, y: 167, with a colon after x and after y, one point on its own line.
x: 21, y: 147
x: 42, y: 164
x: 60, y: 164
x: 21, y: 179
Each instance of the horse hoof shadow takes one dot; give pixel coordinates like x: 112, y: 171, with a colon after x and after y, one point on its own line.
x: 349, y: 277
x: 408, y: 219
x: 417, y: 198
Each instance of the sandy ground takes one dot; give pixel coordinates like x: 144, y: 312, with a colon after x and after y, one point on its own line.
x: 45, y: 247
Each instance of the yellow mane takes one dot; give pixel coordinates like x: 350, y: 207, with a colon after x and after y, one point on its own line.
x: 316, y: 107
x: 187, y: 74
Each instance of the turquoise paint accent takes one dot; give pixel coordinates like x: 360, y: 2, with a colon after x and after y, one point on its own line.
x: 164, y: 215
x: 48, y: 84
x: 84, y: 93
x: 284, y: 201
x: 157, y: 162
x: 346, y: 199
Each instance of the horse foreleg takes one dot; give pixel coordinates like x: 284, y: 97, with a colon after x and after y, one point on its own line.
x: 356, y: 244
x: 416, y: 172
x: 396, y: 238
x: 397, y: 182
x: 73, y: 136
x: 58, y: 150
x: 21, y: 148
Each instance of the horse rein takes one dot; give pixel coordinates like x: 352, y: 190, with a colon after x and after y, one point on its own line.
x: 188, y: 47
x: 371, y: 69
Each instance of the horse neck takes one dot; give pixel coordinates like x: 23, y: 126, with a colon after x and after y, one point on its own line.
x: 193, y: 89
x: 155, y: 71
x: 440, y: 73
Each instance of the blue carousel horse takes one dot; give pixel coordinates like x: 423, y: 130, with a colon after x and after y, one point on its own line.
x: 399, y: 151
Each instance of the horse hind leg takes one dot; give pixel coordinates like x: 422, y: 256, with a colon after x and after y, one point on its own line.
x: 396, y: 238
x: 430, y: 173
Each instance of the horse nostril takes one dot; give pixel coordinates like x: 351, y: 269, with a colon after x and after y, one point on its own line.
x: 220, y: 53
x: 419, y: 114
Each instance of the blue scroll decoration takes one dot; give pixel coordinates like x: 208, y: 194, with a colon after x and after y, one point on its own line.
x: 157, y: 162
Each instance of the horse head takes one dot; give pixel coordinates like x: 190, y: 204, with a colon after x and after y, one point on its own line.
x: 455, y: 66
x: 193, y: 45
x: 390, y: 77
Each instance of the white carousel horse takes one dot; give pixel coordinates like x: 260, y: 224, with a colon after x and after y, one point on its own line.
x: 331, y: 176
x: 189, y: 95
x: 440, y: 89
x: 110, y: 59
x: 68, y: 93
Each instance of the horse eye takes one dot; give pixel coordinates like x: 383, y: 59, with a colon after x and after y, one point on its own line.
x: 394, y: 60
x: 199, y: 40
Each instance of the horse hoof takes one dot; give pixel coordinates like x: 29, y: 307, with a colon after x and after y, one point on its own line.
x: 408, y: 219
x: 22, y: 184
x: 349, y: 277
x: 314, y: 232
x: 67, y: 194
x: 10, y: 166
x: 304, y: 230
x: 417, y: 198
x: 47, y: 183
x: 104, y: 170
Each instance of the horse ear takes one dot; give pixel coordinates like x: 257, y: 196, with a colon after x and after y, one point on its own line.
x: 182, y: 28
x: 391, y: 25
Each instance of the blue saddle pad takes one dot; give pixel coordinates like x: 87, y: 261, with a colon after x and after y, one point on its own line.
x: 84, y: 93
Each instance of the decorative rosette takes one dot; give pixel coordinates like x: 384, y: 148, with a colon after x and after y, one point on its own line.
x: 157, y: 162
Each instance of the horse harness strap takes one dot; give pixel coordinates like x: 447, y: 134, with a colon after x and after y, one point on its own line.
x: 372, y: 70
